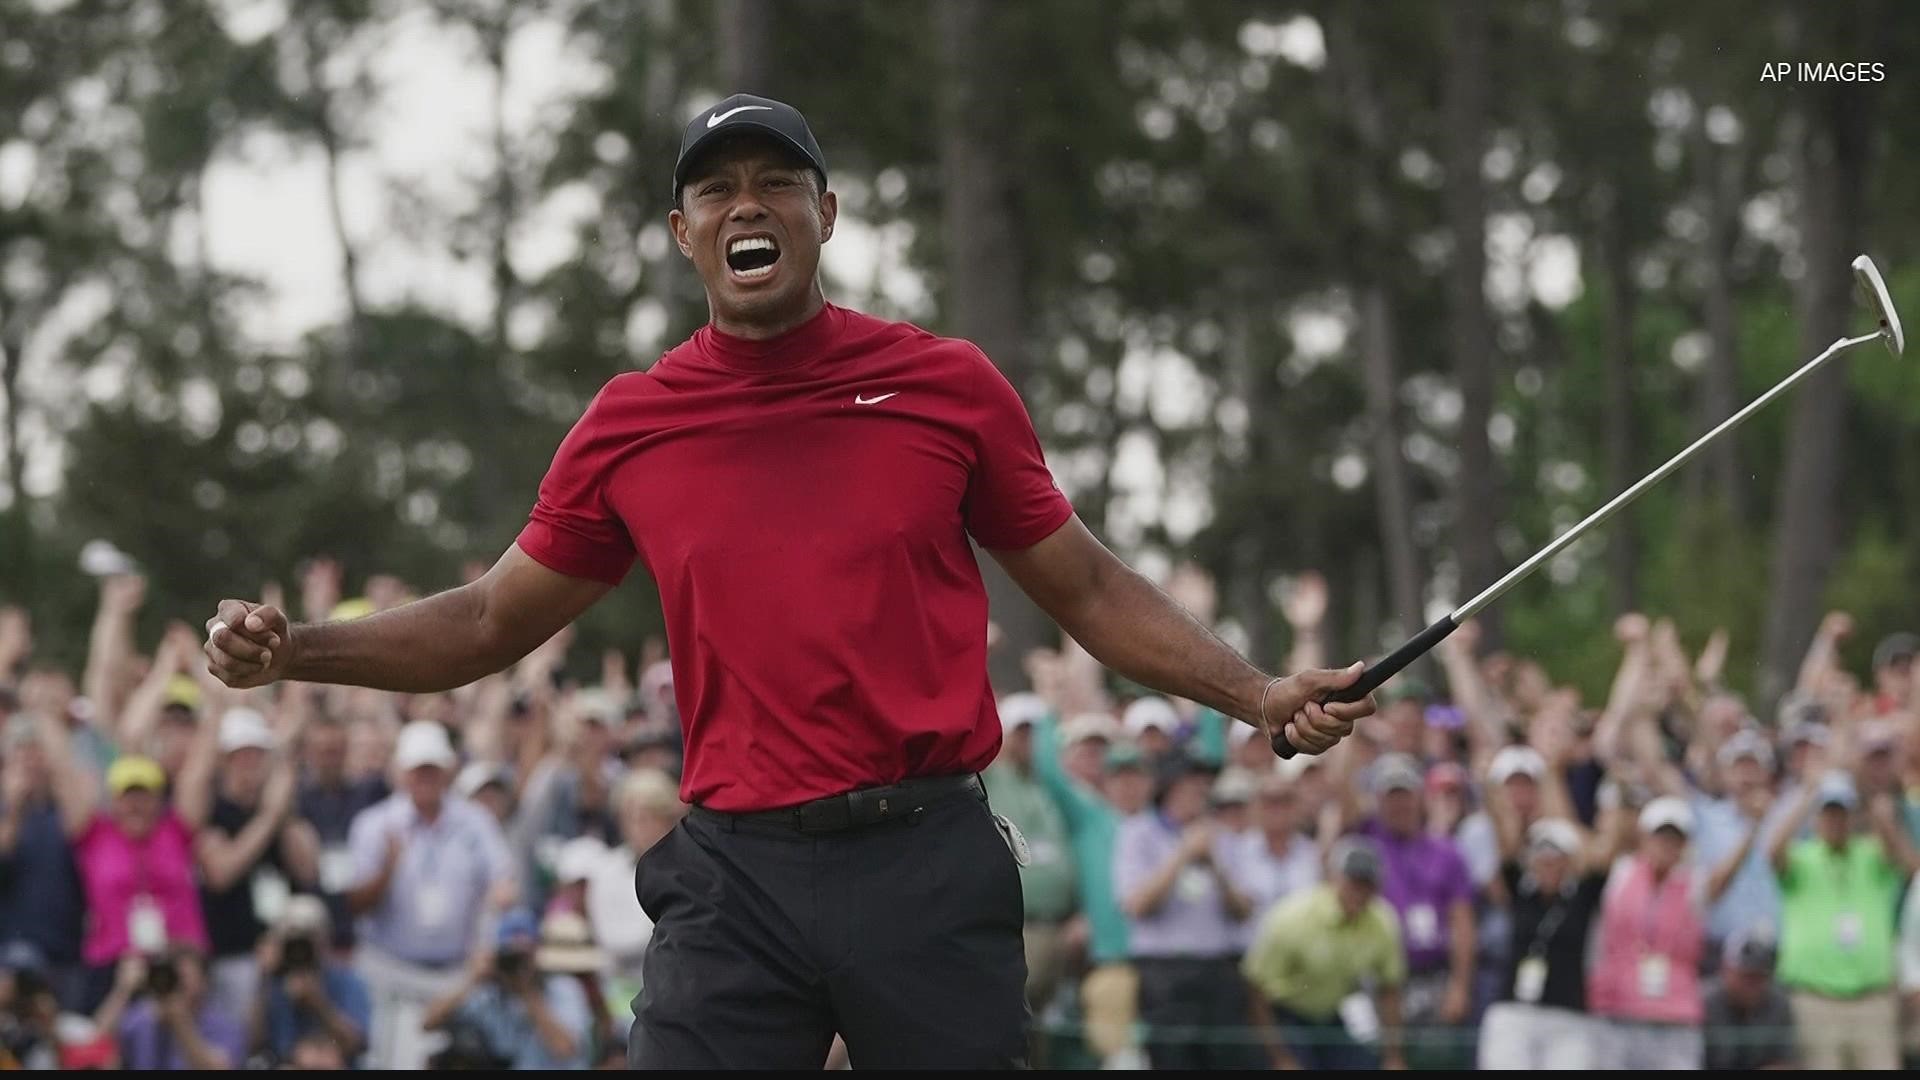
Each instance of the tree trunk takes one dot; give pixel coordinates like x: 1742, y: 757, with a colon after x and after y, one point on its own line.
x: 1832, y: 160
x: 984, y: 299
x: 505, y: 282
x: 1392, y: 495
x: 1720, y: 384
x: 1251, y: 372
x: 746, y: 46
x: 1617, y: 313
x: 1477, y: 490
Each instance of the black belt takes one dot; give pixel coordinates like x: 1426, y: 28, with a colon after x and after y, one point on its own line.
x: 853, y: 809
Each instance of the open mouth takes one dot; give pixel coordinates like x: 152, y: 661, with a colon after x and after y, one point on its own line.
x: 752, y: 256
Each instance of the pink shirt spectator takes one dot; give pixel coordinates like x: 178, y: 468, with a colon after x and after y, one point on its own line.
x: 115, y: 870
x: 1648, y: 961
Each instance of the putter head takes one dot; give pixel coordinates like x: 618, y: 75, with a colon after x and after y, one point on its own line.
x: 1874, y: 288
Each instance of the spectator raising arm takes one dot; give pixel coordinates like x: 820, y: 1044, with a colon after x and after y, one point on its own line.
x: 1893, y: 836
x: 193, y: 788
x: 110, y: 646
x: 225, y: 860
x: 1795, y: 819
x: 75, y: 789
x: 175, y: 656
x: 1823, y: 653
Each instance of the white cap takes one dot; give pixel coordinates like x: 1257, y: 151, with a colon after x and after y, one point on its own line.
x: 1233, y: 786
x: 1667, y: 811
x: 1022, y: 709
x: 1516, y: 761
x: 1746, y: 743
x: 303, y: 914
x: 244, y: 729
x: 1557, y: 833
x: 1090, y: 726
x: 1296, y: 766
x: 577, y: 859
x: 597, y: 706
x: 479, y: 774
x: 1151, y: 712
x: 424, y: 742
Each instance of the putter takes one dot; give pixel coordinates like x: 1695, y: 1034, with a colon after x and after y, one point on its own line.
x: 1872, y: 288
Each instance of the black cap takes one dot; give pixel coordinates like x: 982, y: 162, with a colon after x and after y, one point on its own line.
x: 745, y: 112
x: 1895, y: 648
x: 1750, y: 950
x: 1356, y: 859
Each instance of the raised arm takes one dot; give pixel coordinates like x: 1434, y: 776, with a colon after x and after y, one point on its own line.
x: 110, y: 645
x: 1486, y: 715
x: 75, y: 789
x: 1129, y: 625
x: 430, y: 645
x: 193, y: 788
x: 1823, y: 653
x: 1886, y: 825
x: 1783, y: 834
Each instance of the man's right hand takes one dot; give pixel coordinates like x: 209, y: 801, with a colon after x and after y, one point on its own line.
x: 248, y: 645
x: 1293, y: 706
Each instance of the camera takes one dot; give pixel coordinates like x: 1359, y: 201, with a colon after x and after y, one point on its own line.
x: 298, y: 954
x: 513, y: 965
x: 163, y: 977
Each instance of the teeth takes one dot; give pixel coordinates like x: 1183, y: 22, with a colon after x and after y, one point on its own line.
x: 762, y: 271
x: 751, y: 243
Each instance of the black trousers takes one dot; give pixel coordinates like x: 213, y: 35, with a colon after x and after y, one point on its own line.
x: 903, y: 937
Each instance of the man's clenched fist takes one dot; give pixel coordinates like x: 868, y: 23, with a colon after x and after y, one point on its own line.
x: 248, y: 645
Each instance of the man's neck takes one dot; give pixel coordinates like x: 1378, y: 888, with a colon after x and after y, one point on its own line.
x: 761, y: 330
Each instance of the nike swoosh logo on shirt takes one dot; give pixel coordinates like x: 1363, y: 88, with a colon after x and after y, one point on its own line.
x: 858, y: 400
x: 716, y: 118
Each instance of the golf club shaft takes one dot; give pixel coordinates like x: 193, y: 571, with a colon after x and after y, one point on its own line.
x: 1390, y: 665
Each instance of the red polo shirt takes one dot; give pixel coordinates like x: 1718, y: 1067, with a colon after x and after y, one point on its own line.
x: 804, y: 505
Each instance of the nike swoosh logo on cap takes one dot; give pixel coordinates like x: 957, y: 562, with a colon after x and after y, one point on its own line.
x: 716, y: 118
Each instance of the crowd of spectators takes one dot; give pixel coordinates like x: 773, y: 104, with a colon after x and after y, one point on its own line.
x: 1493, y: 872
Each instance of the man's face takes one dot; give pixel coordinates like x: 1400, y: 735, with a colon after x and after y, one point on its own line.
x: 245, y: 772
x: 1523, y: 793
x: 1186, y: 799
x: 1834, y: 824
x: 1019, y: 745
x: 1400, y: 811
x: 1406, y: 726
x: 1895, y: 679
x: 1129, y: 789
x: 1086, y: 759
x: 327, y: 751
x: 748, y: 189
x: 1279, y: 810
x: 1354, y: 895
x: 427, y: 787
x: 1746, y: 988
x: 1746, y: 774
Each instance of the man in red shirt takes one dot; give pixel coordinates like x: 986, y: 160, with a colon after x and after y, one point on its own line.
x: 802, y: 480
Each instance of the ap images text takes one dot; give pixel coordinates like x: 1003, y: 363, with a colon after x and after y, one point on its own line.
x: 1805, y: 71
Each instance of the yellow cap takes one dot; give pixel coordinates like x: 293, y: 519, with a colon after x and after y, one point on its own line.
x: 135, y: 772
x: 183, y: 690
x: 351, y: 609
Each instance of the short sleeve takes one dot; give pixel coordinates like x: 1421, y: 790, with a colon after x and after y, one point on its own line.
x: 1012, y: 501
x: 572, y: 528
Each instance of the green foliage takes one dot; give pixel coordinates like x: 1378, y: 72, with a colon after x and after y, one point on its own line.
x: 1175, y: 189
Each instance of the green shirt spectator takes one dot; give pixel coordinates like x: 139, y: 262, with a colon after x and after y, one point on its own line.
x: 1092, y: 823
x: 1309, y: 955
x: 1046, y: 882
x: 1837, y: 911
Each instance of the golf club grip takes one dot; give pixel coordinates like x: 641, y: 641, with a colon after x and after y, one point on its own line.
x: 1385, y: 668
